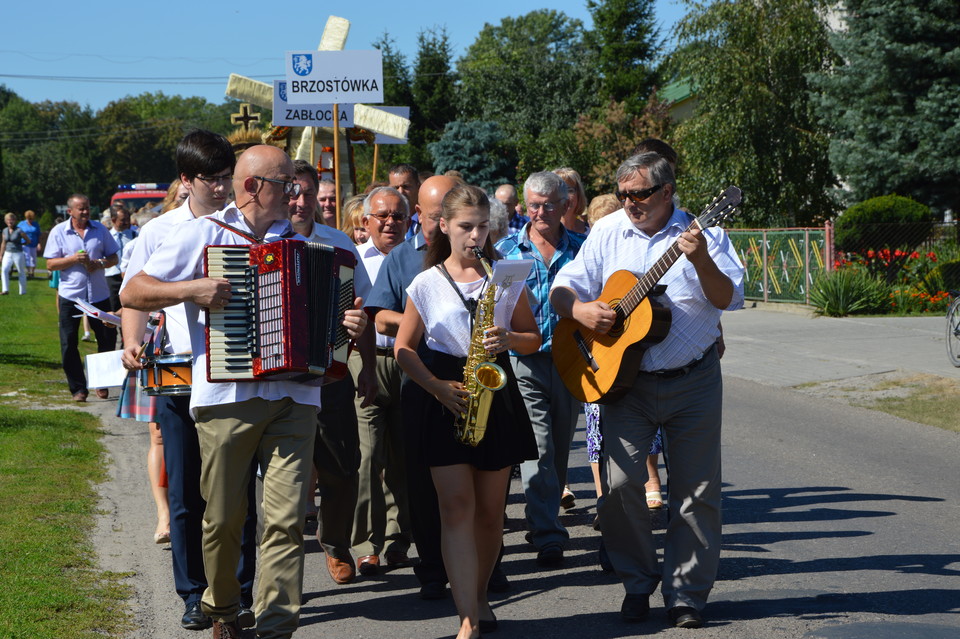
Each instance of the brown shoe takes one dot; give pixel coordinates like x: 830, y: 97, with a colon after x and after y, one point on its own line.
x: 226, y: 630
x: 397, y: 559
x: 80, y: 397
x: 342, y: 572
x: 368, y: 565
x: 103, y: 393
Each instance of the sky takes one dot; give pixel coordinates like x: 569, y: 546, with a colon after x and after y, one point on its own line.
x: 100, y: 51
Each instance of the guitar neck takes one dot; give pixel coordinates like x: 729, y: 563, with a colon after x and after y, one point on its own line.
x: 646, y: 283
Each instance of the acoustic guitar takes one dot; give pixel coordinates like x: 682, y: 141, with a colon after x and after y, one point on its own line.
x: 601, y: 368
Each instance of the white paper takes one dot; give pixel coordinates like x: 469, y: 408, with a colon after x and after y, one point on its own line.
x: 96, y: 313
x: 506, y: 272
x: 105, y: 369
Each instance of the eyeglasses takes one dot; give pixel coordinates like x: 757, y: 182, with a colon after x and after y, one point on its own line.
x: 396, y: 217
x: 289, y: 188
x: 215, y: 179
x: 637, y: 196
x: 547, y: 207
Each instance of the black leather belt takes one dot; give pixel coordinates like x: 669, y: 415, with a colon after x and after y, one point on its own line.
x: 386, y: 351
x: 673, y: 373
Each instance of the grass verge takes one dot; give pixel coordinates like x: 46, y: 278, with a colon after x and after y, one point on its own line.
x: 922, y: 398
x: 928, y: 399
x: 50, y: 461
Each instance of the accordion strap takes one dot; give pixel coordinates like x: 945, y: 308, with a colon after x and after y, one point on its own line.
x: 250, y: 237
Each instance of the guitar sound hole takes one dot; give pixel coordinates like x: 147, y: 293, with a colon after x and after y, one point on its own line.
x: 619, y: 324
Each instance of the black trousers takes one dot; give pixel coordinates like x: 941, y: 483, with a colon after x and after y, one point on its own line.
x: 69, y: 341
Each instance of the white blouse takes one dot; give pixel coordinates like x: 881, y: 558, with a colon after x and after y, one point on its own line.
x: 446, y: 321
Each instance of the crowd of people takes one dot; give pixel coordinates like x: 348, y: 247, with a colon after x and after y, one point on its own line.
x: 377, y: 446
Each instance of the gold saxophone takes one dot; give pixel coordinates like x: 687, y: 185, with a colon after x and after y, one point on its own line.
x: 481, y: 377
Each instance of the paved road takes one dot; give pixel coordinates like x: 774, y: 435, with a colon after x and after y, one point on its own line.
x: 841, y: 523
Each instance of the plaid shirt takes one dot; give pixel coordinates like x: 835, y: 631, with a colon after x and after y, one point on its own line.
x: 517, y: 221
x: 519, y: 247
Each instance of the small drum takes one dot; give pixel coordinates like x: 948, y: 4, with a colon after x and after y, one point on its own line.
x: 167, y: 374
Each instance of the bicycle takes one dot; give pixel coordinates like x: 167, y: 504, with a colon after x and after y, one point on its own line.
x: 953, y: 329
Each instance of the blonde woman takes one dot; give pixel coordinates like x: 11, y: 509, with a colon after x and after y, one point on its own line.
x: 13, y: 256
x: 576, y: 201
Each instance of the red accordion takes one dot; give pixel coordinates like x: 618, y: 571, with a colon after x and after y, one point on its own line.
x: 285, y: 317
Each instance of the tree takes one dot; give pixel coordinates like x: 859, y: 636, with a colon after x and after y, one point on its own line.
x: 626, y: 40
x: 530, y: 74
x: 893, y: 105
x: 754, y: 123
x: 139, y: 135
x: 49, y: 152
x: 478, y: 150
x: 609, y: 135
x: 433, y: 94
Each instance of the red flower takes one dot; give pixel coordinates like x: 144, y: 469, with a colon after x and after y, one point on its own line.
x: 871, y: 254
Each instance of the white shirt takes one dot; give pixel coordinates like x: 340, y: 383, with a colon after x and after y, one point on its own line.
x: 615, y: 244
x: 446, y: 320
x: 372, y: 260
x: 151, y: 236
x: 122, y: 238
x: 182, y: 260
x: 324, y: 234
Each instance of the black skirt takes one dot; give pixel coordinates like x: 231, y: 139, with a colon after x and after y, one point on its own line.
x: 508, y: 439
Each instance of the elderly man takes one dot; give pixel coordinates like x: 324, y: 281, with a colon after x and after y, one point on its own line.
x: 678, y: 387
x: 271, y: 421
x: 205, y: 162
x: 336, y: 450
x: 327, y: 200
x: 553, y: 411
x: 507, y: 194
x: 81, y: 249
x: 381, y: 520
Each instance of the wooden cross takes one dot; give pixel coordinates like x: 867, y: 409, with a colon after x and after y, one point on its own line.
x: 245, y: 117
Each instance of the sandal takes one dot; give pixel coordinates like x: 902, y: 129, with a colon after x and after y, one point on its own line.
x: 654, y: 500
x: 161, y: 537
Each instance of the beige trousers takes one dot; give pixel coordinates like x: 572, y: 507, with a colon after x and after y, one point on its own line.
x: 280, y: 434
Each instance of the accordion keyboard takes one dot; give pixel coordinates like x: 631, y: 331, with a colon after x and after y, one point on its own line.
x: 231, y: 330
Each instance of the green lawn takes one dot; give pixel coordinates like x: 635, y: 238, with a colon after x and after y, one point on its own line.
x: 50, y: 460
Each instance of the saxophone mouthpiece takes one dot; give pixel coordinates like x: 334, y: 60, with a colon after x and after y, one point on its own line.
x: 479, y: 253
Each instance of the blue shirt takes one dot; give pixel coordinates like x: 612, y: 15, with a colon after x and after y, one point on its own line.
x: 32, y: 231
x: 517, y: 221
x: 519, y: 247
x: 401, y: 265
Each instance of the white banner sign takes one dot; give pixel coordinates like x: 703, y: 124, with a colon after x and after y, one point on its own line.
x: 403, y: 112
x: 286, y: 114
x: 328, y: 77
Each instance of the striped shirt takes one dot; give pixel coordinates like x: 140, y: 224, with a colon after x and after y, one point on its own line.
x: 616, y: 244
x: 519, y: 247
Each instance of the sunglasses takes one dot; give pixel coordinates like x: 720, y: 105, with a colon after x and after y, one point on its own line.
x: 637, y: 196
x: 289, y: 188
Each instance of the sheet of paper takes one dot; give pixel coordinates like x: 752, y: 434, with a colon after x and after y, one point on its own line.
x: 506, y: 272
x: 105, y: 369
x: 96, y: 313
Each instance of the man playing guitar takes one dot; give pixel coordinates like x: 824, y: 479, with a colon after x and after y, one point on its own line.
x: 678, y: 387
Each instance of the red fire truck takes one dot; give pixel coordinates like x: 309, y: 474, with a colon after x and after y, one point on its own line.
x: 135, y: 196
